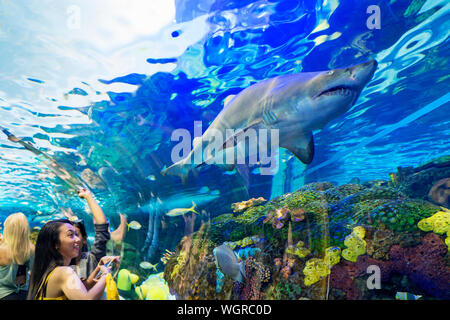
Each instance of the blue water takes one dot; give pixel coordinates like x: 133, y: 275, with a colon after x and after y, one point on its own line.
x: 101, y: 87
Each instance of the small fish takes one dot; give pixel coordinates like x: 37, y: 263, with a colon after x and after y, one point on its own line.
x: 148, y: 265
x: 406, y: 296
x: 228, y: 264
x: 204, y: 189
x: 134, y: 225
x: 180, y: 211
x: 151, y: 177
x: 215, y: 192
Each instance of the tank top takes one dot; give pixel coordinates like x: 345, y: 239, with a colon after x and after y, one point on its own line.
x: 43, y: 290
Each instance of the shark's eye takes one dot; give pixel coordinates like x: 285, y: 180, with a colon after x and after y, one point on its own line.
x: 330, y: 72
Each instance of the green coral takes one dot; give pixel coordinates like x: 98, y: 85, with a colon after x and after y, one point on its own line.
x: 301, y: 198
x: 402, y: 215
x: 223, y: 218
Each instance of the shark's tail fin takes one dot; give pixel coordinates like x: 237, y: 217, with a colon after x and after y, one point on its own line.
x: 180, y: 169
x: 192, y: 209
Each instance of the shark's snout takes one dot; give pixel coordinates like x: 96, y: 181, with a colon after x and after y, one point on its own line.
x: 363, y: 72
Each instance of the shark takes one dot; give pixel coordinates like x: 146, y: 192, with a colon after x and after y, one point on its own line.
x: 294, y: 104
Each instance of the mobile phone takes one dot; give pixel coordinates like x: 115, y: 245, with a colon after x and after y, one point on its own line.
x: 101, y: 273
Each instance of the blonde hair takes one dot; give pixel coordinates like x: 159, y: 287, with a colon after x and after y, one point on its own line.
x: 16, y: 237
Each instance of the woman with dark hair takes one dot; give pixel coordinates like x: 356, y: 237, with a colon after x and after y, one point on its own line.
x: 51, y: 277
x: 87, y: 260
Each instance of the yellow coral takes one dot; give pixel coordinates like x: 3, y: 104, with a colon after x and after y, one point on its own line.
x: 426, y: 224
x: 180, y: 262
x: 355, y: 244
x: 316, y: 268
x: 247, y: 241
x: 349, y: 255
x: 299, y: 250
x: 311, y: 279
x: 332, y: 256
x: 359, y: 232
x: 438, y: 223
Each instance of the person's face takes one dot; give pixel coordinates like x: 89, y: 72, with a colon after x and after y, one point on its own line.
x: 80, y: 235
x: 69, y: 242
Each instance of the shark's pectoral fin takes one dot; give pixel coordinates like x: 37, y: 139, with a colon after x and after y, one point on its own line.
x: 234, y: 139
x: 302, y: 148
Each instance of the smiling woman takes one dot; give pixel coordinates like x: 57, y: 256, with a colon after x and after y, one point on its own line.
x: 51, y: 277
x: 94, y: 93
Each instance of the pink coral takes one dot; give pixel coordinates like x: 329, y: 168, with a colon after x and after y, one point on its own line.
x: 256, y: 275
x: 342, y: 277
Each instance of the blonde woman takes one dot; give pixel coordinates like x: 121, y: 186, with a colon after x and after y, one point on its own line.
x: 16, y: 254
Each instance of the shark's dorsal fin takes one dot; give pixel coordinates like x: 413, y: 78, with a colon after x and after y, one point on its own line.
x: 302, y: 148
x: 228, y: 99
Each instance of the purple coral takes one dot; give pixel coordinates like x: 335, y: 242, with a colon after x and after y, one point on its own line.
x: 425, y: 265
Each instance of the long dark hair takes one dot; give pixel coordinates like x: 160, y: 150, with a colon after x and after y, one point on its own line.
x: 46, y: 256
x: 80, y: 225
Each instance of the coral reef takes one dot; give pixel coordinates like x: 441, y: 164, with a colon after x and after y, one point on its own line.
x: 425, y: 265
x: 256, y: 275
x: 320, y: 241
x: 241, y: 206
x: 279, y: 217
x: 418, y: 182
x: 355, y: 244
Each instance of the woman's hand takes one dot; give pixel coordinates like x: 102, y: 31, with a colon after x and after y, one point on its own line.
x: 84, y: 194
x: 102, y: 270
x: 109, y: 260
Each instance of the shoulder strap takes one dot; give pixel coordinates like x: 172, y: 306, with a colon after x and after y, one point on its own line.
x: 43, y: 287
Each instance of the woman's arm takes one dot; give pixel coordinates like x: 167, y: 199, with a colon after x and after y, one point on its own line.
x: 74, y: 289
x: 91, y: 281
x: 97, y: 212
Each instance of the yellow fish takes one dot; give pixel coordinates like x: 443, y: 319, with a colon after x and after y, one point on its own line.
x: 181, y: 211
x: 148, y: 265
x: 134, y: 225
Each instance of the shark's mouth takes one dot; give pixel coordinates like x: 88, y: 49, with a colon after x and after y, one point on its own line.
x: 338, y: 90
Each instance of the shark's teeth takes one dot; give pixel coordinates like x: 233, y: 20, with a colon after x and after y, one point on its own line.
x: 339, y: 90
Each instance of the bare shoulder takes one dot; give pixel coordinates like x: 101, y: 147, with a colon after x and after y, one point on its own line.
x: 4, y: 255
x: 61, y: 274
x: 64, y: 271
x: 58, y: 280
